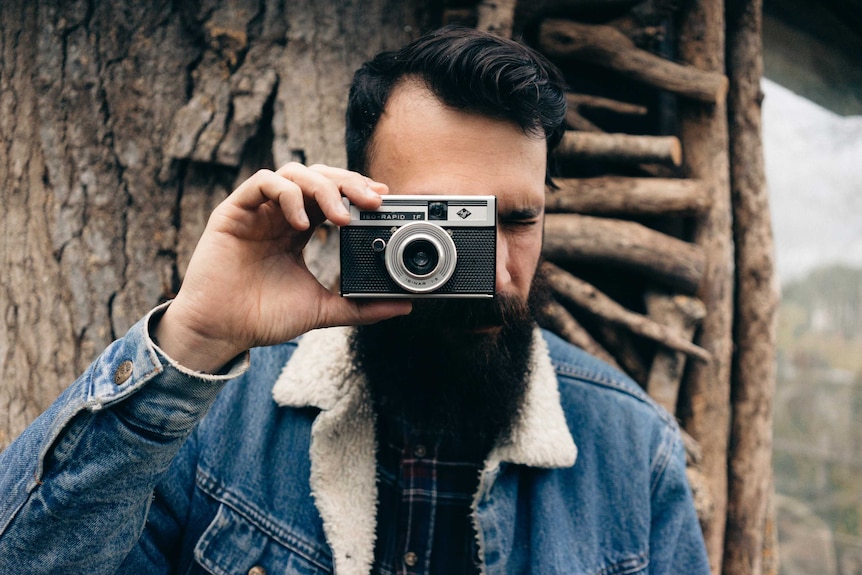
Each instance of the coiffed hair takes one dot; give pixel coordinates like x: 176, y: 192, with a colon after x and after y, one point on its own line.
x: 467, y: 70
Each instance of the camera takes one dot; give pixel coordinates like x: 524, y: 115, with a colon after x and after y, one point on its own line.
x: 419, y: 247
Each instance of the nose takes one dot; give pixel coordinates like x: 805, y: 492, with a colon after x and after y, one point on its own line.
x: 503, y: 278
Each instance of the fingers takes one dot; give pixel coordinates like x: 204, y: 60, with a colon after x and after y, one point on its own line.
x: 309, y: 194
x: 323, y: 188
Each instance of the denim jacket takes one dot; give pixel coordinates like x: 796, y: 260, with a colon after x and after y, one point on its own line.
x: 144, y: 467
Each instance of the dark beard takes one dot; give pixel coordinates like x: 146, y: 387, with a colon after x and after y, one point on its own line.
x: 431, y: 370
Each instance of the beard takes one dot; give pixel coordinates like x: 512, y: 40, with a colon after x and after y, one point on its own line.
x: 454, y: 368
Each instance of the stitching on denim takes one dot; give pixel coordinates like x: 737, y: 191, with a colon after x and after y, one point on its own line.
x: 627, y: 566
x: 260, y: 520
x: 592, y: 377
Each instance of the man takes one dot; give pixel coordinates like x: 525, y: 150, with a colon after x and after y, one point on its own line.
x: 443, y: 441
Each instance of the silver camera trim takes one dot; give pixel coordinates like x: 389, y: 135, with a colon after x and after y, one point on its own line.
x: 447, y: 257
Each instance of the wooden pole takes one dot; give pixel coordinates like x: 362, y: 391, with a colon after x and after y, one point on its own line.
x: 705, y: 405
x: 587, y: 297
x: 622, y: 196
x: 754, y: 371
x: 660, y: 257
x: 558, y: 319
x: 496, y: 16
x: 608, y: 47
x: 620, y: 148
x: 682, y: 313
x: 579, y: 102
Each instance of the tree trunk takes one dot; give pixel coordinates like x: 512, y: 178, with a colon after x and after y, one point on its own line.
x: 123, y: 124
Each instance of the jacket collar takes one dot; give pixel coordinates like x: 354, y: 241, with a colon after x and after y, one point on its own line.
x: 343, y: 445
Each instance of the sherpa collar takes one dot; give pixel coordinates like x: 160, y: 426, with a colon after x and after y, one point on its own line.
x: 343, y: 444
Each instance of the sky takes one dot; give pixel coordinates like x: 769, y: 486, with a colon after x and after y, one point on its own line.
x: 814, y: 175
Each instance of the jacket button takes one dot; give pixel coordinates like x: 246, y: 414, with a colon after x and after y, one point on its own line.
x: 257, y: 570
x: 123, y: 373
x: 411, y: 559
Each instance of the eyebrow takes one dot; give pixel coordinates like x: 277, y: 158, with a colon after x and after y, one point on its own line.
x: 522, y: 213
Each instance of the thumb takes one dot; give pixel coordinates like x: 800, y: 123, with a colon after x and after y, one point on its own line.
x: 361, y: 312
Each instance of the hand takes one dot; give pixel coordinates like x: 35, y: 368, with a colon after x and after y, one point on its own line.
x: 247, y: 283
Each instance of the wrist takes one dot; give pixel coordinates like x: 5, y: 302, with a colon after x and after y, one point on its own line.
x: 189, y: 347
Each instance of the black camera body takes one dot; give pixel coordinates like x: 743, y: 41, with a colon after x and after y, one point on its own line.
x: 420, y: 247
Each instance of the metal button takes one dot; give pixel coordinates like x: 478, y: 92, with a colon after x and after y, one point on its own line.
x: 123, y: 373
x: 420, y: 451
x: 257, y: 570
x: 411, y: 559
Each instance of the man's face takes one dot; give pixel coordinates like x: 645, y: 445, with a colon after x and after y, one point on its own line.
x: 458, y: 367
x: 422, y: 147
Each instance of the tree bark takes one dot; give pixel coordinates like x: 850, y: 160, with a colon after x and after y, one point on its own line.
x: 121, y: 125
x: 662, y: 258
x: 703, y: 132
x: 621, y: 196
x: 753, y: 377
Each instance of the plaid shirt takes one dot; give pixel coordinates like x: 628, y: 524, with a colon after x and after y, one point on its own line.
x: 425, y: 489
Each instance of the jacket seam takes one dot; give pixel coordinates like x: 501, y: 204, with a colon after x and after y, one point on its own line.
x: 664, y: 455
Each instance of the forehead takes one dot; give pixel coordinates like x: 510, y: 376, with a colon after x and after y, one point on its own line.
x: 421, y: 146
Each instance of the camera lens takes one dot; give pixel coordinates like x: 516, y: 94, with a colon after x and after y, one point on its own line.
x: 420, y: 257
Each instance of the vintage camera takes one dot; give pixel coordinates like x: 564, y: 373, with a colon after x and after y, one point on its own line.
x: 421, y: 246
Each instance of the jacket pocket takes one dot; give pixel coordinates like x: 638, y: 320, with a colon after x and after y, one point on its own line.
x: 233, y: 545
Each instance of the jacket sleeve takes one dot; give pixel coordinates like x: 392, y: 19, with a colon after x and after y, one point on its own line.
x: 77, y: 484
x: 676, y: 539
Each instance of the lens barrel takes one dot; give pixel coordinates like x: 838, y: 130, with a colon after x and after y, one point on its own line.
x: 420, y: 257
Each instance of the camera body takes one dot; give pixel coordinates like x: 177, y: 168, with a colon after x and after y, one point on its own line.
x: 420, y: 247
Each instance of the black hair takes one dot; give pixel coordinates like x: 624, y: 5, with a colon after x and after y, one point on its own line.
x: 467, y: 70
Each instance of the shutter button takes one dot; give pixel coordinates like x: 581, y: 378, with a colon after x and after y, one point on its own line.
x: 123, y: 373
